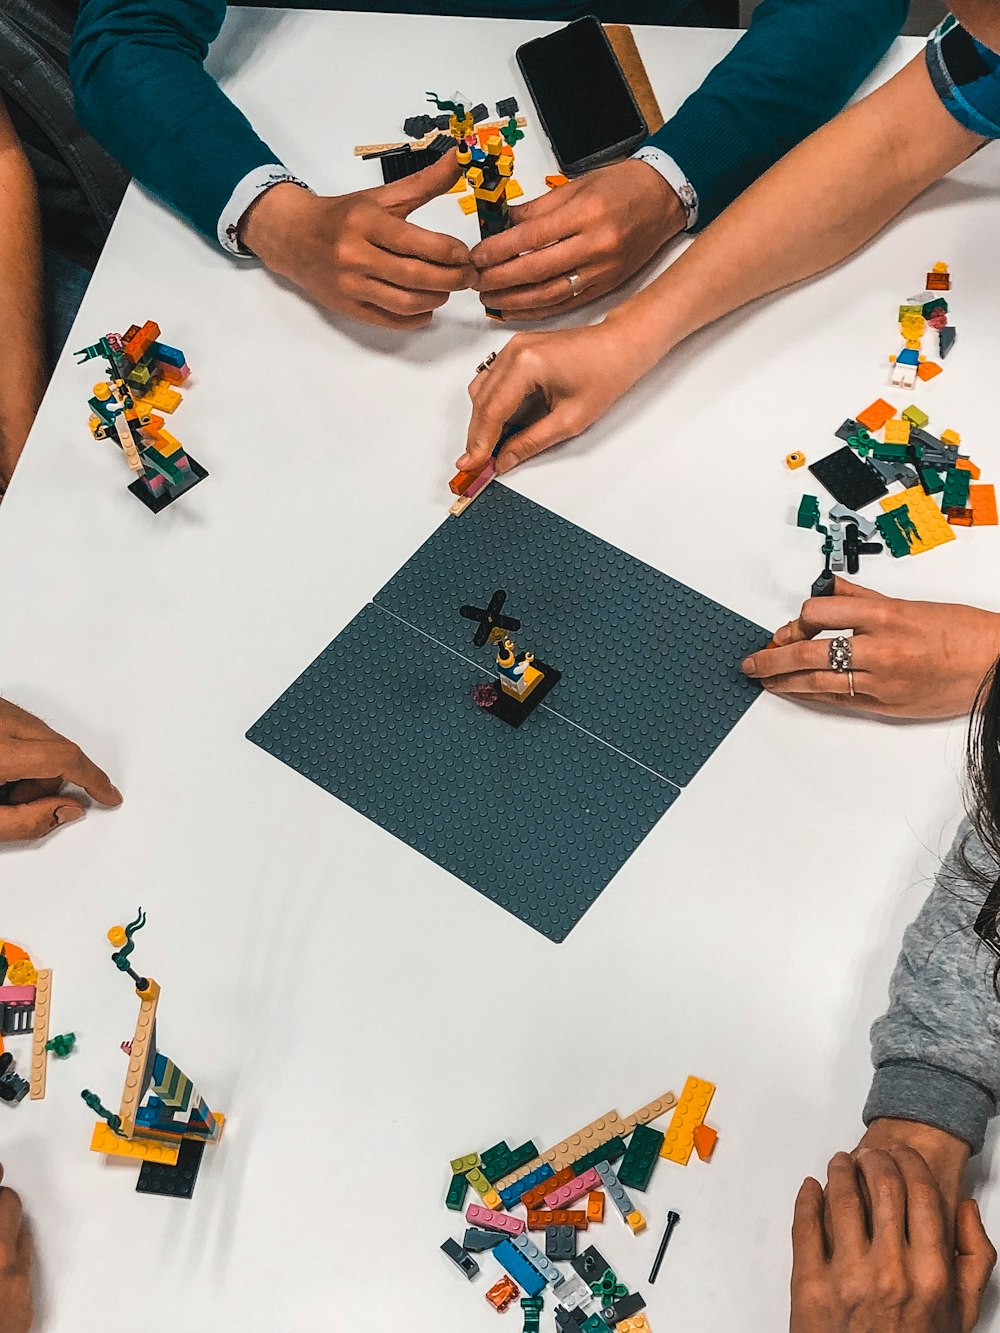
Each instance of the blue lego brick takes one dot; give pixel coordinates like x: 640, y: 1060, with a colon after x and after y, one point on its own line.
x: 527, y: 1277
x: 512, y: 1194
x: 172, y: 356
x: 383, y: 719
x: 648, y: 665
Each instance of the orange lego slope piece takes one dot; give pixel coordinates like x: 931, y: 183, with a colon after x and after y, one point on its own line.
x: 704, y: 1138
x: 690, y: 1112
x: 876, y: 414
x: 983, y: 502
x: 932, y: 527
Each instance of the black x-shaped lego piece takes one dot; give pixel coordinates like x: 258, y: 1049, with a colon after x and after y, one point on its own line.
x: 489, y: 618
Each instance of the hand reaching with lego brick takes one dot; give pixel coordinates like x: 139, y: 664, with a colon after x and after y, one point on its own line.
x: 35, y: 763
x: 356, y: 253
x: 15, y: 1265
x: 873, y: 1254
x: 600, y: 229
x: 909, y: 659
x: 576, y: 375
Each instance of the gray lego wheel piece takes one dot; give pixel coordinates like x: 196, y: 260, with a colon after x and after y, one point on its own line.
x: 384, y: 720
x: 648, y: 665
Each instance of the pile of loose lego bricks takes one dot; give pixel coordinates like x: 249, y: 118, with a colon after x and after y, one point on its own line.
x: 941, y: 488
x: 25, y: 1004
x: 546, y: 1185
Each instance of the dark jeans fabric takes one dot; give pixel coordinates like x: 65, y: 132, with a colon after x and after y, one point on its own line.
x: 65, y: 284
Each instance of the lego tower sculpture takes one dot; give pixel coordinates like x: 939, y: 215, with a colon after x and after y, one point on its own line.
x: 162, y: 1119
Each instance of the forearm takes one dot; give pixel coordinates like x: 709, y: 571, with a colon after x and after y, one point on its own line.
x: 142, y: 90
x: 807, y: 214
x: 23, y: 381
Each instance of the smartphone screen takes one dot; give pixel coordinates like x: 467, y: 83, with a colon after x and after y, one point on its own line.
x: 581, y: 95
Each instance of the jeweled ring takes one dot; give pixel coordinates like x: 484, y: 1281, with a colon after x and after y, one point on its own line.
x: 485, y: 365
x: 573, y: 279
x: 840, y: 653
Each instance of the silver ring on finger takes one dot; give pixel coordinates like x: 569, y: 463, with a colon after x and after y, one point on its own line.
x: 840, y: 653
x: 574, y: 283
x: 485, y: 365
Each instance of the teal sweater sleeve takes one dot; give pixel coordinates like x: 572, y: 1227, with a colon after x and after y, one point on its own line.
x: 795, y: 67
x: 142, y: 91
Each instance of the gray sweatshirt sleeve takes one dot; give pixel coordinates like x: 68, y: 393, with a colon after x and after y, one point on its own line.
x: 937, y: 1050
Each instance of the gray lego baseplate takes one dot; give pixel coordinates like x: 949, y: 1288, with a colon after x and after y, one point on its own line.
x: 538, y: 818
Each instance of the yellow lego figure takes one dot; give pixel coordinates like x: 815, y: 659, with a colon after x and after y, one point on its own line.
x: 908, y: 360
x: 517, y: 676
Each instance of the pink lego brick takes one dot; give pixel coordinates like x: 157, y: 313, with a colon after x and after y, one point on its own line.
x: 474, y: 487
x: 17, y: 995
x: 494, y: 1221
x: 574, y: 1189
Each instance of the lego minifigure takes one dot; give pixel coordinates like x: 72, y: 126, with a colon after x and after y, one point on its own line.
x: 908, y: 360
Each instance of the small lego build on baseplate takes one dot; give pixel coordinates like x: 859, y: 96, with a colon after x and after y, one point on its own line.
x: 142, y: 375
x: 162, y: 1120
x: 522, y: 682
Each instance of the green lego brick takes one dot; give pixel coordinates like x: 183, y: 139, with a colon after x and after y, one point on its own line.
x: 640, y: 1157
x: 956, y: 488
x: 892, y: 534
x: 457, y: 1191
x: 593, y: 1324
x: 808, y: 515
x: 891, y: 453
x: 608, y: 1152
x: 932, y: 480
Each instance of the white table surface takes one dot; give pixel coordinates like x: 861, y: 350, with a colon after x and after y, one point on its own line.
x: 317, y: 974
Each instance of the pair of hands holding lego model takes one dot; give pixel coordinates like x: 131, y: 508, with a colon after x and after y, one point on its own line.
x: 889, y: 1246
x: 358, y: 255
x: 15, y: 1265
x: 35, y: 765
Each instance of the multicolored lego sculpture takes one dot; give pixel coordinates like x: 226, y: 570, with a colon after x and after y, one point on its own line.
x: 522, y: 681
x: 162, y: 1120
x: 142, y: 375
x: 487, y: 159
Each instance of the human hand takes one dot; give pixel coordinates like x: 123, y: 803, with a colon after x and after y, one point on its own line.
x: 601, y: 228
x: 945, y: 1154
x: 909, y: 659
x: 15, y: 1265
x: 35, y: 761
x: 356, y: 254
x: 575, y: 375
x: 883, y: 1262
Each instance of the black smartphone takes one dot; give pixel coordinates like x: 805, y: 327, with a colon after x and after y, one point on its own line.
x: 583, y: 99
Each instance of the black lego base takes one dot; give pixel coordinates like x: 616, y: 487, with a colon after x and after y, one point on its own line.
x: 155, y: 503
x: 849, y: 479
x: 174, y: 1182
x: 513, y: 711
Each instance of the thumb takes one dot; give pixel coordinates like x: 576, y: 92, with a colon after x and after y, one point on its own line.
x: 34, y: 819
x: 561, y: 423
x: 402, y: 197
x: 974, y: 1261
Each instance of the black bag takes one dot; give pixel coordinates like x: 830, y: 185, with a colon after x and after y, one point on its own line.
x: 80, y: 186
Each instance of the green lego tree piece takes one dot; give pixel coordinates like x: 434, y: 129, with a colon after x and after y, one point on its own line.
x: 808, y: 515
x: 457, y: 1191
x: 61, y: 1045
x: 956, y: 488
x: 932, y: 480
x: 641, y: 1156
x: 608, y: 1152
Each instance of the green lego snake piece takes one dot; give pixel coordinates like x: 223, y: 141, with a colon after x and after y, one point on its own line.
x: 94, y: 1102
x: 456, y: 108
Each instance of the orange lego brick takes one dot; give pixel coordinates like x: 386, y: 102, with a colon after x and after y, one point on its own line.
x: 983, y: 500
x: 690, y: 1111
x: 959, y: 518
x: 138, y: 342
x: 876, y: 414
x: 951, y: 437
x: 897, y: 432
x: 927, y: 370
x: 704, y: 1138
x: 553, y: 182
x: 932, y: 526
x: 539, y: 1219
x: 595, y: 1206
x: 536, y: 1195
x: 967, y: 465
x: 460, y: 482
